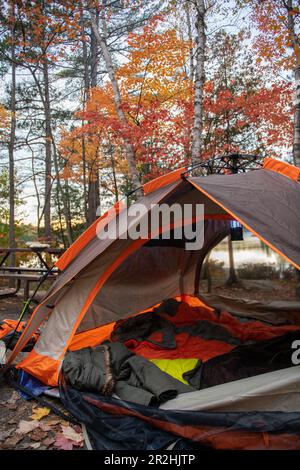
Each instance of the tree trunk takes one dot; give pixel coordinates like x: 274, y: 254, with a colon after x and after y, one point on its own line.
x: 84, y: 175
x: 190, y: 36
x: 85, y: 98
x: 296, y: 149
x: 11, y: 146
x: 93, y: 196
x: 38, y: 232
x: 297, y: 283
x: 50, y: 142
x: 207, y: 273
x: 113, y: 166
x: 48, y: 156
x: 129, y: 149
x: 199, y: 82
x: 68, y: 210
x: 294, y: 38
x: 63, y: 195
x: 60, y: 218
x: 232, y: 279
x: 296, y: 136
x: 93, y: 188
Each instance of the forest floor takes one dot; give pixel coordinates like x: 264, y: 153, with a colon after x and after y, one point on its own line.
x: 24, y: 424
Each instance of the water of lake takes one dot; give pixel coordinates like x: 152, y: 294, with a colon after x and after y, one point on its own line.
x: 249, y: 251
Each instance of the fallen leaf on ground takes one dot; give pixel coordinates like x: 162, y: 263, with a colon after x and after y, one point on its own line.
x: 49, y: 441
x: 11, y: 406
x: 24, y: 445
x: 35, y: 445
x: 13, y: 421
x: 63, y: 443
x: 63, y: 422
x: 38, y: 435
x: 11, y: 442
x: 12, y: 400
x: 14, y: 397
x: 53, y: 421
x: 26, y: 426
x: 40, y: 413
x: 45, y: 427
x: 5, y: 434
x: 23, y: 406
x: 70, y: 433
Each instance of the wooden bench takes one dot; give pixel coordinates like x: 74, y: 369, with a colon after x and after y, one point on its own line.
x: 20, y: 275
x: 26, y: 275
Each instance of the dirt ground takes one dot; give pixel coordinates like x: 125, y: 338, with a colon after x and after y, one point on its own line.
x: 47, y: 431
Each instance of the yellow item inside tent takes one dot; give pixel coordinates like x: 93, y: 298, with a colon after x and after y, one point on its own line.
x: 175, y: 367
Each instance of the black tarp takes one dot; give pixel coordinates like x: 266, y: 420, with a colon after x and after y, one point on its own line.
x: 113, y: 424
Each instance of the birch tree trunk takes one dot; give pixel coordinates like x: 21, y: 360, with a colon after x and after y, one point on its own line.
x: 294, y: 37
x: 296, y: 148
x: 296, y: 46
x: 296, y: 134
x: 129, y: 149
x: 199, y: 82
x: 190, y: 36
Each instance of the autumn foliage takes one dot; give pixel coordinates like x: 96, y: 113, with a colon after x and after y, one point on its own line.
x: 109, y: 95
x: 278, y: 40
x: 4, y: 119
x: 243, y: 114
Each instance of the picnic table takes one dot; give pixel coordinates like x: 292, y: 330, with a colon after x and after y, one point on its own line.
x: 26, y: 275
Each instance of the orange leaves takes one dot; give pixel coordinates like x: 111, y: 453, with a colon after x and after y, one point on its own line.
x: 209, y: 87
x: 4, y: 118
x: 246, y: 113
x: 277, y: 42
x: 100, y: 102
x: 156, y: 65
x: 241, y: 112
x: 44, y: 30
x: 155, y: 97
